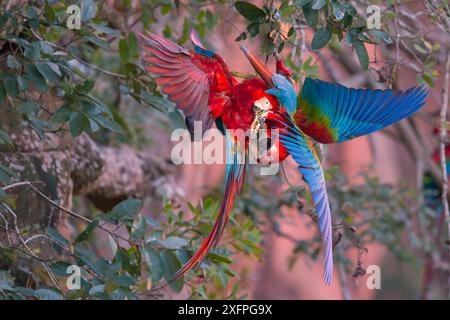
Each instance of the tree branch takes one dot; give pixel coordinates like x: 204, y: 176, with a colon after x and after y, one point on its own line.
x: 443, y: 139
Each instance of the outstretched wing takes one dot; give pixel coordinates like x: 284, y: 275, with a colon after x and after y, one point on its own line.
x: 329, y: 112
x: 199, y: 84
x: 300, y: 148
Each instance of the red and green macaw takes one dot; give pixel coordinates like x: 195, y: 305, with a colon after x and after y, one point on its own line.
x: 201, y: 85
x: 329, y: 113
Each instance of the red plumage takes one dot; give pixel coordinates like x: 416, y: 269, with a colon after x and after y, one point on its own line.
x: 196, y: 82
x: 202, y: 86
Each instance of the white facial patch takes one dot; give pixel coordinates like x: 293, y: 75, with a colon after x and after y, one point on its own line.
x: 263, y: 104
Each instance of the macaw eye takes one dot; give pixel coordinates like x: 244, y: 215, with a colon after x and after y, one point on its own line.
x: 262, y: 104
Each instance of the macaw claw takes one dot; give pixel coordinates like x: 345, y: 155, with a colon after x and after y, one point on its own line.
x: 261, y: 109
x: 260, y: 119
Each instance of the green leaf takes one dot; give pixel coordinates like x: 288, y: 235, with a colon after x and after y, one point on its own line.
x: 183, y: 255
x: 4, y: 138
x: 86, y: 256
x: 361, y: 51
x: 105, y: 29
x: 123, y: 50
x: 169, y: 243
x: 427, y: 79
x: 350, y: 9
x: 23, y: 83
x: 87, y: 86
x: 122, y: 280
x: 35, y: 77
x: 242, y: 36
x: 311, y: 16
x: 156, y: 102
x: 291, y: 32
x: 31, y: 52
x: 56, y: 236
x: 318, y: 4
x: 59, y: 268
x: 249, y: 11
x: 32, y: 12
x: 165, y: 9
x: 78, y: 123
x: 83, y: 236
x: 12, y: 63
x: 133, y: 45
x: 88, y: 10
x: 177, y: 120
x: 97, y: 41
x: 286, y: 10
x: 210, y: 20
x: 219, y: 258
x: 155, y: 264
x: 47, y: 294
x: 379, y: 35
x: 6, y: 174
x: 28, y: 107
x: 347, y: 21
x: 54, y: 67
x: 107, y: 123
x: 4, y: 19
x: 167, y: 32
x: 253, y: 29
x: 48, y: 70
x: 39, y: 126
x: 338, y: 11
x: 11, y: 85
x: 49, y: 12
x: 420, y: 49
x: 27, y: 292
x: 126, y: 209
x: 62, y: 114
x: 320, y: 39
x: 139, y: 229
x: 45, y: 46
x: 281, y: 46
x: 2, y: 93
x: 93, y: 125
x: 171, y: 266
x: 100, y: 288
x: 301, y: 3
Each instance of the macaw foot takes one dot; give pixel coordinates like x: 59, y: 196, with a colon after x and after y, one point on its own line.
x: 261, y: 109
x: 260, y: 119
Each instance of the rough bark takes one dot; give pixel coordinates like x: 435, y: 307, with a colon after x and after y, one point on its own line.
x: 108, y: 175
x: 62, y: 167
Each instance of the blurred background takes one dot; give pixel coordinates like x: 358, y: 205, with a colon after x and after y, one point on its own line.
x: 85, y: 147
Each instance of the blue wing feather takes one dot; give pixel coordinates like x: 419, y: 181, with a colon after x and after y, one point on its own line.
x: 284, y: 91
x: 356, y: 112
x: 301, y: 150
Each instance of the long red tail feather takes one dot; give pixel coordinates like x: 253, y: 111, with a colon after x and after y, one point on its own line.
x: 234, y: 182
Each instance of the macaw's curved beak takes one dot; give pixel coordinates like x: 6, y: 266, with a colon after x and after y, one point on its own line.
x: 259, y: 67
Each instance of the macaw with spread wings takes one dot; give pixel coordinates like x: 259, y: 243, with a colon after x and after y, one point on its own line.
x: 201, y: 85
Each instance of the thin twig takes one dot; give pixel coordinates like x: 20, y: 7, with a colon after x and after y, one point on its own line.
x: 71, y: 213
x: 443, y: 139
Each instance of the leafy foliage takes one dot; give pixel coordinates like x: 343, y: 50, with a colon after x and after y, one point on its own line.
x: 101, y: 86
x: 328, y: 18
x: 153, y: 253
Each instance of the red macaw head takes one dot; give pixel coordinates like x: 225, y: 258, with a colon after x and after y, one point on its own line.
x: 265, y: 102
x: 265, y: 73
